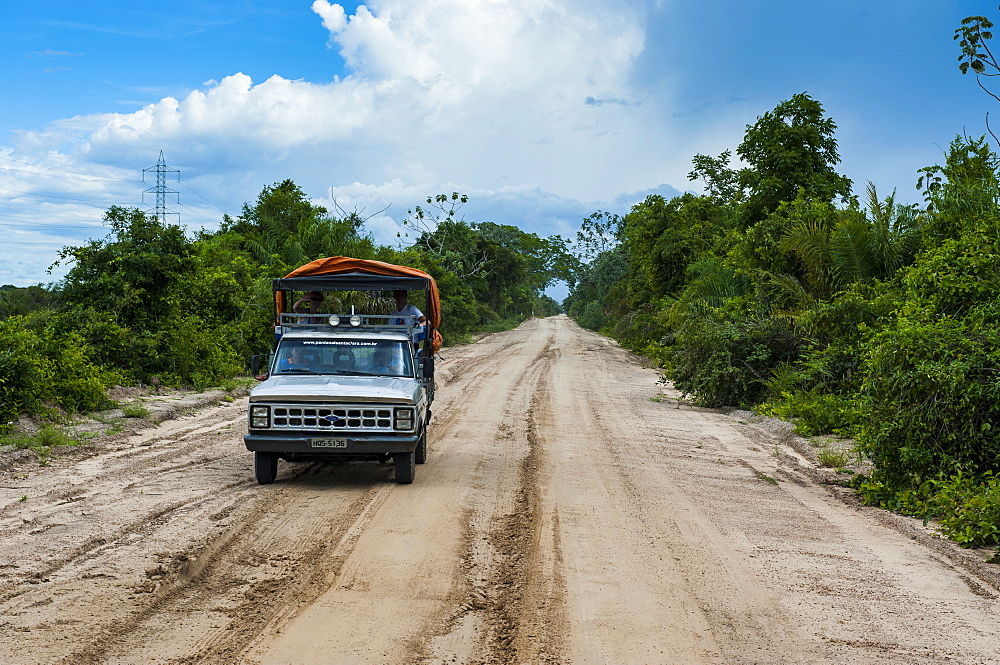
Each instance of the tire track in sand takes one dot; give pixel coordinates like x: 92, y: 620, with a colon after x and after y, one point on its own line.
x: 511, y: 607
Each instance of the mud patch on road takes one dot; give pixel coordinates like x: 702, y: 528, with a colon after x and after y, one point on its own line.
x: 513, y: 540
x: 525, y: 606
x: 510, y: 601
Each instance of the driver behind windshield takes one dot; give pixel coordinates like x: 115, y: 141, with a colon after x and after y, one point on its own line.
x: 387, y: 361
x: 297, y: 360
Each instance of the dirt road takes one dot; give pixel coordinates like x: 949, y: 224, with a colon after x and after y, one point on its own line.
x: 563, y: 516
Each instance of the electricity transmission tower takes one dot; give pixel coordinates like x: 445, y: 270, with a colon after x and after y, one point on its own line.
x: 162, y: 191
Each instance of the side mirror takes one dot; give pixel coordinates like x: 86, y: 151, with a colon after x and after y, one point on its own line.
x: 256, y: 367
x: 427, y: 367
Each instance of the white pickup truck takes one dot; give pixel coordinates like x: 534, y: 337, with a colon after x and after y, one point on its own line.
x: 345, y: 386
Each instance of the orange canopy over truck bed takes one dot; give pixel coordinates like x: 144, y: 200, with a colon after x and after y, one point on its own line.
x: 342, y: 273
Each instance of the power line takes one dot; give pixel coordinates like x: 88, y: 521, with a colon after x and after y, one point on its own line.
x: 80, y: 139
x: 44, y: 129
x: 197, y: 214
x: 87, y: 176
x: 90, y: 177
x: 161, y: 169
x: 14, y: 227
x: 203, y: 198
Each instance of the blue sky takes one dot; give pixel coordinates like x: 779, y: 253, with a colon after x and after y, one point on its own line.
x: 542, y: 112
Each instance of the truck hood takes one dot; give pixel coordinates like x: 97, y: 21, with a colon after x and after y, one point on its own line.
x: 351, y: 389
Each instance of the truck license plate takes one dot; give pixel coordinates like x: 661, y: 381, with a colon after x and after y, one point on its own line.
x: 328, y: 443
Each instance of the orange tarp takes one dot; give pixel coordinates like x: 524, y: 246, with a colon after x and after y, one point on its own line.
x: 338, y: 265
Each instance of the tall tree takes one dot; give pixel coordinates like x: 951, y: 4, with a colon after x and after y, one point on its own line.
x: 283, y: 229
x: 790, y: 148
x: 134, y: 273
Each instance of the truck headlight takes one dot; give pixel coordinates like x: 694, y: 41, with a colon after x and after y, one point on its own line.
x: 260, y: 417
x: 403, y: 419
x: 334, y: 320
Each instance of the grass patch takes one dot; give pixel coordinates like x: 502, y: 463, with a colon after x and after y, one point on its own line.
x: 835, y: 459
x: 766, y: 478
x: 501, y: 325
x: 41, y: 443
x: 135, y: 410
x: 237, y: 382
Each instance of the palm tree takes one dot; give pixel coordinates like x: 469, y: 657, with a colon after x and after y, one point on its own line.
x: 860, y: 246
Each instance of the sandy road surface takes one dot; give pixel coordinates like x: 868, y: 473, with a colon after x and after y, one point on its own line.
x: 562, y: 517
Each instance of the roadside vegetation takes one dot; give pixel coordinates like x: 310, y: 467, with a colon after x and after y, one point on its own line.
x: 783, y: 288
x: 151, y: 304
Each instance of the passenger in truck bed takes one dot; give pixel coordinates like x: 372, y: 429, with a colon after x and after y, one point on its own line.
x: 309, y: 304
x: 404, y: 308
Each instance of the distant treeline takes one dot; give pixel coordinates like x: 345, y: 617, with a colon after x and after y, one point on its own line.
x: 781, y: 290
x: 150, y: 303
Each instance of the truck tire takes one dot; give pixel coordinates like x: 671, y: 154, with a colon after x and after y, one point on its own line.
x: 420, y: 452
x: 406, y: 468
x: 265, y: 467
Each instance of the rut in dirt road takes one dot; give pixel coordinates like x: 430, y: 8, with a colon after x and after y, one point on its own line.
x: 512, y: 599
x: 572, y: 510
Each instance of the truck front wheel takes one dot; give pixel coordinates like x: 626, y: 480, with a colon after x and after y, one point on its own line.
x: 420, y: 453
x: 406, y: 468
x: 265, y: 467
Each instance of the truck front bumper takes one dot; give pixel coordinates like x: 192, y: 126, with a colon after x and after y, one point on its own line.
x: 320, y: 444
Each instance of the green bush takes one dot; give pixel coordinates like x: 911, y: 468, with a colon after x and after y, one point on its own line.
x: 590, y: 315
x: 969, y: 511
x: 726, y: 363
x: 40, y: 370
x: 194, y: 354
x: 814, y: 411
x: 77, y: 384
x: 23, y: 371
x: 966, y: 507
x: 109, y: 343
x: 931, y: 389
x: 931, y: 400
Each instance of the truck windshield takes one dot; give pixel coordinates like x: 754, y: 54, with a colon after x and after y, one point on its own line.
x: 351, y: 357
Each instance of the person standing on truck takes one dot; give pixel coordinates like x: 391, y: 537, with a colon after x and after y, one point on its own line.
x: 308, y: 304
x: 404, y: 308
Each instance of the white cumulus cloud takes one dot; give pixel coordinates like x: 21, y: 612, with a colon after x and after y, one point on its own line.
x: 468, y: 91
x: 526, y: 104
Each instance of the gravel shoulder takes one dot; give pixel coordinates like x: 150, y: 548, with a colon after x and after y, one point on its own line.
x: 572, y: 510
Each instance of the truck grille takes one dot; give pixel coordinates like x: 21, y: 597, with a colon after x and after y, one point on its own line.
x: 331, y: 418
